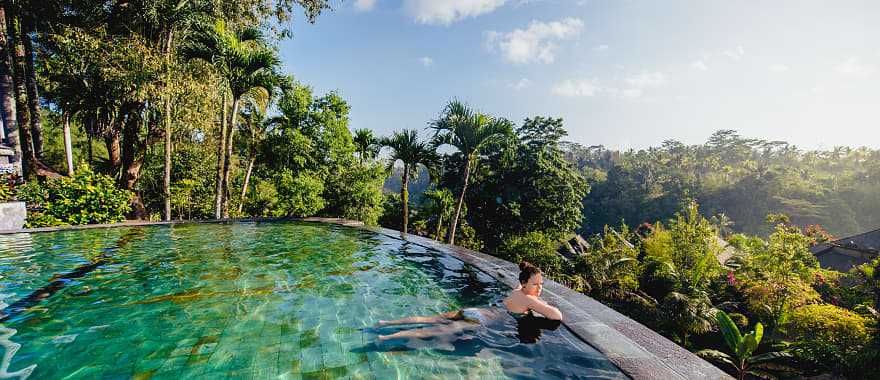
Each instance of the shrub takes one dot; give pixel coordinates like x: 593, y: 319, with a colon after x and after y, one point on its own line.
x: 299, y: 195
x: 829, y: 337
x: 772, y: 300
x: 85, y: 198
x: 534, y: 247
x: 8, y: 184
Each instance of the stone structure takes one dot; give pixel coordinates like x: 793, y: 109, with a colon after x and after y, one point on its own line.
x: 12, y: 216
x: 9, y: 163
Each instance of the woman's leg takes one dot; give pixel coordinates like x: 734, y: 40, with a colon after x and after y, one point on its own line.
x: 439, y: 318
x: 429, y: 332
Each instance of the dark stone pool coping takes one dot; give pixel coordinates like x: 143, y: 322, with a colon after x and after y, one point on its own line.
x: 638, y: 351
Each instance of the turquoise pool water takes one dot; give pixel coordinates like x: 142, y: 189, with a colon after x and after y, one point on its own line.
x: 283, y: 300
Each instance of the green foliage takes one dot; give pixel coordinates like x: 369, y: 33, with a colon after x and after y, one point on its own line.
x: 830, y: 338
x: 525, y: 185
x: 772, y: 299
x: 743, y: 348
x: 7, y: 191
x: 535, y: 247
x: 609, y: 270
x: 685, y: 315
x: 786, y: 253
x: 690, y: 244
x: 298, y: 194
x: 745, y: 179
x: 86, y: 198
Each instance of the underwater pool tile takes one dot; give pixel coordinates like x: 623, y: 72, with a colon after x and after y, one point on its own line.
x: 311, y: 359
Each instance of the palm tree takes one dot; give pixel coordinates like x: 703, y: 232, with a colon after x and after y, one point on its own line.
x: 367, y: 145
x: 255, y: 122
x: 442, y: 204
x: 413, y: 153
x: 687, y: 314
x: 246, y: 63
x: 469, y: 132
x: 173, y: 18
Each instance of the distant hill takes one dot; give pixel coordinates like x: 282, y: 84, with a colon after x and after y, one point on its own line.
x: 417, y: 185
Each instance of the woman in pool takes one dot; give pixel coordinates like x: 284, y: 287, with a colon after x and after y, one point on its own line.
x: 522, y: 301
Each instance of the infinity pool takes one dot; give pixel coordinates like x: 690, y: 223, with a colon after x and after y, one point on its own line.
x: 283, y: 300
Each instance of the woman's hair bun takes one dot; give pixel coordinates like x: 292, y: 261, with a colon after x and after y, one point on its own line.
x: 526, y: 271
x: 523, y: 265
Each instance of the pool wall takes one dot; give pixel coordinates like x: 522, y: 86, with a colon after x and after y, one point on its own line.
x: 638, y: 351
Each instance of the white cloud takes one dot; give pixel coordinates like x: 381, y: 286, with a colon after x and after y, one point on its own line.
x: 520, y: 84
x: 736, y: 54
x: 364, y: 5
x: 577, y: 87
x: 535, y: 43
x: 654, y: 79
x: 779, y: 68
x: 427, y: 61
x: 699, y: 65
x: 445, y: 12
x: 854, y: 67
x: 600, y: 48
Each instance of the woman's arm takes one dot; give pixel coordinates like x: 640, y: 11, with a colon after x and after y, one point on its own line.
x: 550, y: 312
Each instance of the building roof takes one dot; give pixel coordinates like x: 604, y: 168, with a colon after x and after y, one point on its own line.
x: 848, y: 251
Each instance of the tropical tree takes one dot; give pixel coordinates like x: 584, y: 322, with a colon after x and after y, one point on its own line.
x: 245, y: 62
x: 256, y: 125
x: 407, y: 148
x: 743, y: 348
x: 442, y: 204
x: 367, y: 145
x: 468, y: 131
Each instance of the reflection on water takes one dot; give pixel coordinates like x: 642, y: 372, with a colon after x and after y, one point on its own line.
x: 9, y: 350
x: 250, y: 300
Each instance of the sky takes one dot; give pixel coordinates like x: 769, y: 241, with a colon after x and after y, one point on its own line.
x: 622, y: 73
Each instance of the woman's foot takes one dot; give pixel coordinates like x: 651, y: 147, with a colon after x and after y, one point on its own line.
x: 382, y: 323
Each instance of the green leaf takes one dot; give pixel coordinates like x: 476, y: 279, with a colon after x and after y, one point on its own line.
x: 763, y: 358
x: 731, y: 333
x: 759, y: 332
x: 717, y: 356
x: 749, y: 345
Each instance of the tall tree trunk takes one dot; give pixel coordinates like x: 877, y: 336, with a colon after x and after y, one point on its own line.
x: 68, y: 145
x: 133, y: 160
x: 7, y: 99
x: 114, y: 151
x: 33, y: 95
x: 229, y: 146
x: 21, y: 110
x: 467, y: 175
x: 166, y: 183
x: 221, y: 163
x: 91, y: 150
x: 439, y: 226
x: 404, y: 196
x: 247, y: 179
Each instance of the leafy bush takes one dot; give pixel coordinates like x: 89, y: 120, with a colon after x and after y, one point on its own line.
x: 298, y: 195
x: 829, y: 337
x: 86, y: 198
x: 534, y: 247
x: 772, y: 300
x: 690, y: 244
x: 6, y: 193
